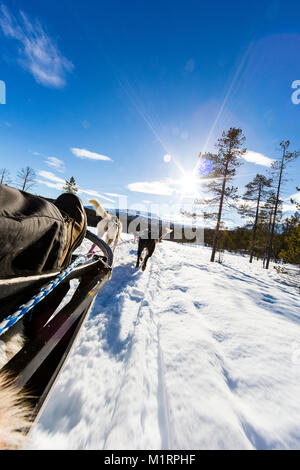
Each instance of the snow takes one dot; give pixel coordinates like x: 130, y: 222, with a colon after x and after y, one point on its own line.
x: 187, y: 355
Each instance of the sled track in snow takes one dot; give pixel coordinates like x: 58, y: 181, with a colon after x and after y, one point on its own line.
x: 163, y: 402
x: 146, y: 319
x: 128, y: 355
x: 125, y: 373
x: 162, y: 394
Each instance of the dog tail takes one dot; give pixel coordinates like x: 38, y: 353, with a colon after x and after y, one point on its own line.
x: 14, y: 416
x: 98, y: 208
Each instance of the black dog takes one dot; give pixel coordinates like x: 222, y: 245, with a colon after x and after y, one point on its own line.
x: 146, y: 244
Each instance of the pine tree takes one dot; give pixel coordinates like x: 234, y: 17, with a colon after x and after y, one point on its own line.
x: 70, y: 186
x: 256, y: 192
x: 278, y: 168
x: 268, y: 218
x: 225, y: 163
x: 290, y: 252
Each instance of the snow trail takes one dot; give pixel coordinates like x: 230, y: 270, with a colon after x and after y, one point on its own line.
x: 187, y: 355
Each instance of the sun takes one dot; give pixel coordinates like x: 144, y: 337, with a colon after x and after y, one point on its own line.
x: 189, y: 184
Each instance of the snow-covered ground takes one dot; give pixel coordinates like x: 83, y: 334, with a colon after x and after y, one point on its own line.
x: 187, y: 355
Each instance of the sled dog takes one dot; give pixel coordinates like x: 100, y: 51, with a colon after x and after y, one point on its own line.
x: 149, y: 244
x: 11, y: 343
x: 110, y: 226
x: 14, y: 415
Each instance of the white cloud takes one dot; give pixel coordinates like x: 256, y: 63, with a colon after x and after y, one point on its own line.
x: 239, y: 202
x: 295, y: 197
x: 115, y: 195
x: 50, y: 176
x: 58, y: 186
x: 257, y: 158
x: 56, y: 163
x: 252, y: 204
x: 37, y: 52
x: 93, y: 193
x: 289, y: 207
x: 83, y: 153
x: 185, y: 186
x: 161, y: 188
x: 59, y: 183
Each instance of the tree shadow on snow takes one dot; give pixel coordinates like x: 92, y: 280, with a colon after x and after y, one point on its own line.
x: 263, y: 299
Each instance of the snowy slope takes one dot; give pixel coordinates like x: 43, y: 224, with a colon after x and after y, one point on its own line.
x: 188, y: 355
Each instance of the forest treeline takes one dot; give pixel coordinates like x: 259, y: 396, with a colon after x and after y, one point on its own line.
x: 285, y: 246
x: 266, y: 234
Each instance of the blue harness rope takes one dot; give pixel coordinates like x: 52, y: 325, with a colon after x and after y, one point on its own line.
x: 11, y: 320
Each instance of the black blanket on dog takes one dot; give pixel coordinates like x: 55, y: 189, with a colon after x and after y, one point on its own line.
x: 32, y: 234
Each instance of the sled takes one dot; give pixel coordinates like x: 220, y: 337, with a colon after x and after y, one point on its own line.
x: 53, y: 324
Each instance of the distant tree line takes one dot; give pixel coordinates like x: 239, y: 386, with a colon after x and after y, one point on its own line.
x: 265, y: 234
x: 26, y: 180
x: 285, y: 244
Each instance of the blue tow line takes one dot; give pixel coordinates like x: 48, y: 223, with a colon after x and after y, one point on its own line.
x: 11, y: 320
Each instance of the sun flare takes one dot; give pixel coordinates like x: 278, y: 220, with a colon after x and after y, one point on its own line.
x: 189, y: 184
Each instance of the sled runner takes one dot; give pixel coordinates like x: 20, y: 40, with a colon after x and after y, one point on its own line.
x: 52, y: 316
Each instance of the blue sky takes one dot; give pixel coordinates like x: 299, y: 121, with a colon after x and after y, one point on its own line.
x: 135, y: 81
